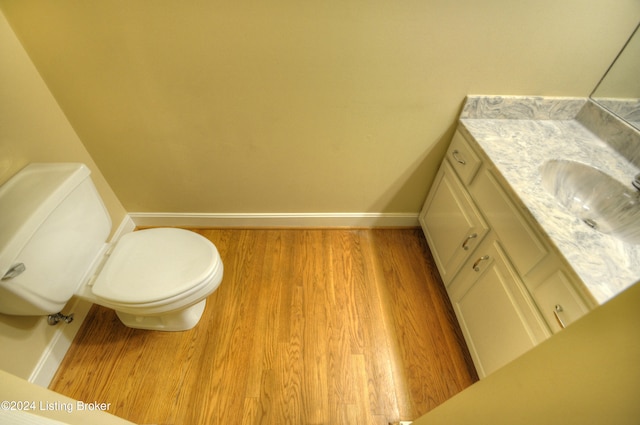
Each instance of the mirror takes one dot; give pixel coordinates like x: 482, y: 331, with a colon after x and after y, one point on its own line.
x: 619, y: 90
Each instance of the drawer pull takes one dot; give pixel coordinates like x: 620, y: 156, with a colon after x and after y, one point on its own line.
x: 465, y: 244
x: 455, y: 156
x: 478, y: 261
x: 14, y: 271
x: 556, y: 310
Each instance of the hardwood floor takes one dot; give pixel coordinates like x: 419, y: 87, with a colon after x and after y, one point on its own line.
x: 327, y: 326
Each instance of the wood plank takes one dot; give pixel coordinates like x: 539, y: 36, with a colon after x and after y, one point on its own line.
x: 325, y: 326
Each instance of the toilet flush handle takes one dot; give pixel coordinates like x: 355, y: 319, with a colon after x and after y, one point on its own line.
x: 14, y: 271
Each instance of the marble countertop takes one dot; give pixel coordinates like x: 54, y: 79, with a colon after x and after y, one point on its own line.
x: 519, y: 134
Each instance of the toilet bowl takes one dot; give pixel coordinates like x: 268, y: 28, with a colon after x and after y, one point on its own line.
x: 53, y: 228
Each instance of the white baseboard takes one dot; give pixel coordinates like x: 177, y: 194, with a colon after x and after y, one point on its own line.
x: 59, y: 344
x: 277, y: 220
x: 127, y: 225
x: 54, y: 353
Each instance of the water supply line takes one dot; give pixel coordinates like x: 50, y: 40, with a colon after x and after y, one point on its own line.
x: 54, y: 319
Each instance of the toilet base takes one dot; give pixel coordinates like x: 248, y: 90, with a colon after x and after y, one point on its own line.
x: 180, y: 320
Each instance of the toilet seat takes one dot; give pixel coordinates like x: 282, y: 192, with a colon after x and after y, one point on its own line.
x: 155, y: 267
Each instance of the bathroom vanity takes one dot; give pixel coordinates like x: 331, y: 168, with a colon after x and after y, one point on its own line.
x: 517, y: 264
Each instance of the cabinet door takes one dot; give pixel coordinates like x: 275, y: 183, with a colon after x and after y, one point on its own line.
x: 558, y: 302
x: 497, y: 316
x: 451, y: 223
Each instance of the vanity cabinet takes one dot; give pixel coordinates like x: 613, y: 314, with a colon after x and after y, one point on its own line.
x: 509, y: 289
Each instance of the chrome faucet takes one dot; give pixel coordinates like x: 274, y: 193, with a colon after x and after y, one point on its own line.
x: 636, y: 181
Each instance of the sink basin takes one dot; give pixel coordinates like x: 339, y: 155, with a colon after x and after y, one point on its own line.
x: 600, y: 201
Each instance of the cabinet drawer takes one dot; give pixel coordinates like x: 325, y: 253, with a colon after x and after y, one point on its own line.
x: 462, y: 158
x: 558, y: 302
x: 524, y: 247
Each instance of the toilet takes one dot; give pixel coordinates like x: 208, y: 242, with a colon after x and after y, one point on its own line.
x: 53, y: 233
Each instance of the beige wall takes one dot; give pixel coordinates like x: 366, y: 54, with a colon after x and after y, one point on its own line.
x: 33, y: 128
x: 587, y: 374
x: 298, y: 106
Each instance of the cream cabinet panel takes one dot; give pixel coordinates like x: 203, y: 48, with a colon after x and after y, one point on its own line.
x: 451, y: 223
x: 524, y: 247
x: 497, y: 316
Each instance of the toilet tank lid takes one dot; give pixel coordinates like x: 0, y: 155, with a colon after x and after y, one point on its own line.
x: 28, y: 198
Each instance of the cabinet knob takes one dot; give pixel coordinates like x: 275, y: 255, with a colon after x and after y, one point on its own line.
x: 478, y: 261
x: 465, y: 244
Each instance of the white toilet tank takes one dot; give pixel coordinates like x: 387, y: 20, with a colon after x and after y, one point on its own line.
x: 53, y: 228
